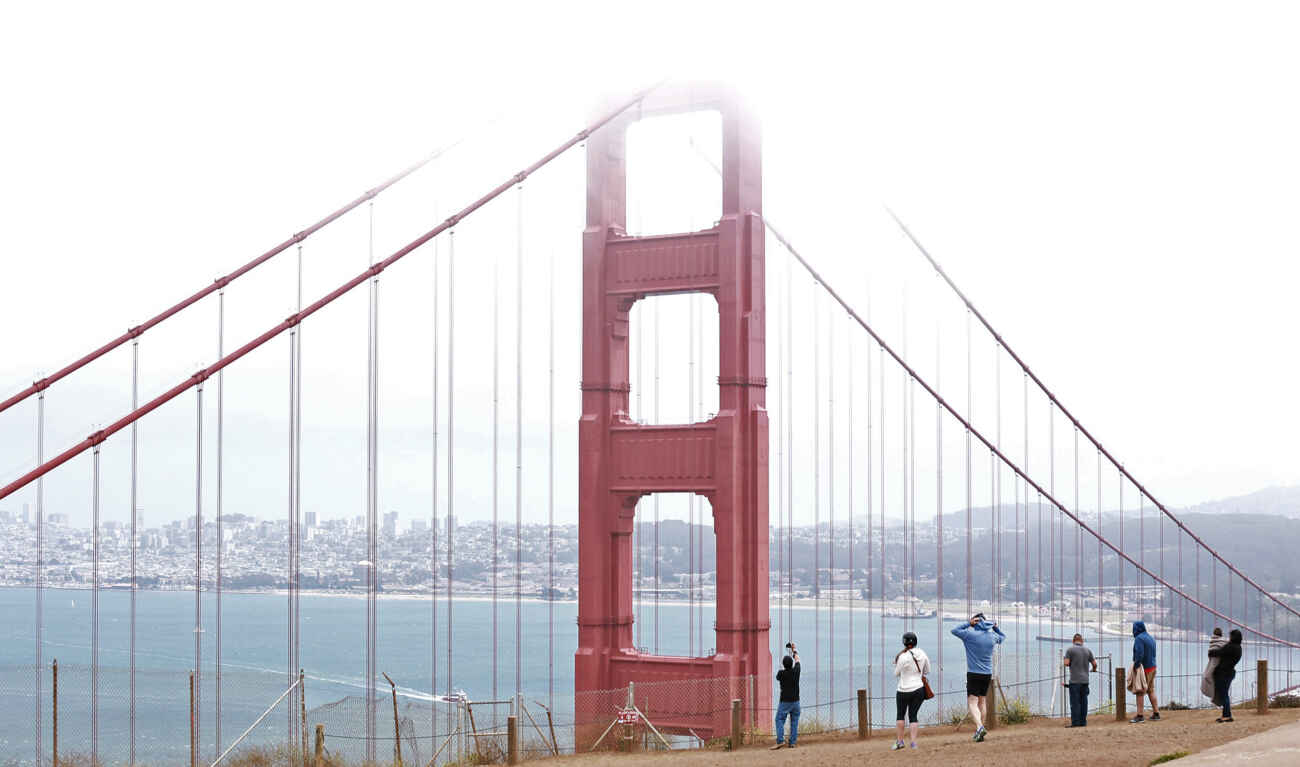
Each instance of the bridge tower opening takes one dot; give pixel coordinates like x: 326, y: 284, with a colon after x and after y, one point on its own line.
x: 723, y: 459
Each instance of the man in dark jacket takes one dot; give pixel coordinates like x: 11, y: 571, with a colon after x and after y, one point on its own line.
x: 1144, y: 662
x: 788, y: 679
x: 1228, y: 656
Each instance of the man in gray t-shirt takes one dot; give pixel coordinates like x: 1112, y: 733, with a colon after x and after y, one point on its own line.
x: 1077, y: 659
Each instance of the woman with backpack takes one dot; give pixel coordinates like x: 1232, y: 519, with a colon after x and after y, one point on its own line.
x: 911, y: 665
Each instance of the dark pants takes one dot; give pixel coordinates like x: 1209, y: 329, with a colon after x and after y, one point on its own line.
x: 790, y: 709
x: 1079, y: 704
x: 1221, y: 684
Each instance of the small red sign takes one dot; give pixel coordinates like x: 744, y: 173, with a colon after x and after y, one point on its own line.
x: 628, y: 716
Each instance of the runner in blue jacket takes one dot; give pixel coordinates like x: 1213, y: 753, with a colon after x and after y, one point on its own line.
x: 980, y: 637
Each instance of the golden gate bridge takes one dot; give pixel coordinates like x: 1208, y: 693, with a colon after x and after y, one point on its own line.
x: 835, y: 420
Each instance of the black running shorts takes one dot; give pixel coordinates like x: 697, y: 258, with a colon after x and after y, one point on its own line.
x: 978, y: 684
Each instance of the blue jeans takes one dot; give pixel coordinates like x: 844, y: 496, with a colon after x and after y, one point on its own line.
x: 1079, y: 704
x: 791, y: 709
x: 1221, y: 685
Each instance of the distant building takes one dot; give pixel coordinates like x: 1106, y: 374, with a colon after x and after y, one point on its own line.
x: 390, y: 524
x: 59, y: 519
x: 311, y: 519
x: 418, y: 526
x: 27, y: 513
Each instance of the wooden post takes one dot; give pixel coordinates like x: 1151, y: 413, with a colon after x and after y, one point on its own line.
x: 864, y: 724
x: 1121, y: 695
x: 194, y: 741
x: 735, y: 724
x: 991, y: 705
x: 320, y: 746
x: 56, y: 712
x: 302, y: 710
x: 1261, y: 686
x: 512, y: 739
x: 397, y: 731
x: 550, y: 723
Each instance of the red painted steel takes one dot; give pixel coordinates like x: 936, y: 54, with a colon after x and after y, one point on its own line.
x: 724, y: 459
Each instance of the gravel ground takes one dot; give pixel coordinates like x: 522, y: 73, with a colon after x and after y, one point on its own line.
x: 1038, y: 743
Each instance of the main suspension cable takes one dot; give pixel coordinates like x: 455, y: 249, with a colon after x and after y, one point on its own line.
x: 97, y: 437
x: 1142, y: 491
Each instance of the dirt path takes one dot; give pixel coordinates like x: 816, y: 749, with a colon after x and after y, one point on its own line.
x: 1039, y: 743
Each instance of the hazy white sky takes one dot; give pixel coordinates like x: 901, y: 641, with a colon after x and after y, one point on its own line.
x: 1113, y: 183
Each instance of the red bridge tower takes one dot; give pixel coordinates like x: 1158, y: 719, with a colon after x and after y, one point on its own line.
x: 724, y: 459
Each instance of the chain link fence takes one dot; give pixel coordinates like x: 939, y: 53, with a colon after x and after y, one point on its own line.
x: 86, y: 716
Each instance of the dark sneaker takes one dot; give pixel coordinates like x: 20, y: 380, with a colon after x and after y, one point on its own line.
x: 791, y: 744
x: 979, y: 735
x: 1155, y: 717
x: 898, y: 746
x: 1139, y: 719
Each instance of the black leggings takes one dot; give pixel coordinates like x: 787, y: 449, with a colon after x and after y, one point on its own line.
x: 909, y: 703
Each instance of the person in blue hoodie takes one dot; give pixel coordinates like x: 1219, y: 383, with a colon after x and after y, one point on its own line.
x: 980, y: 637
x: 1144, y: 662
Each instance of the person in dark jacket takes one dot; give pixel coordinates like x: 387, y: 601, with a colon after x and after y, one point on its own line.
x: 1144, y: 662
x: 788, y: 679
x: 1228, y: 656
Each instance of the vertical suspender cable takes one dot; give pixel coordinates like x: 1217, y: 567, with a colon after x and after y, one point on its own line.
x: 297, y: 508
x: 903, y: 473
x: 871, y: 543
x: 550, y: 486
x: 291, y: 576
x: 1101, y: 634
x: 40, y: 578
x: 433, y: 526
x: 852, y: 426
x: 451, y: 466
x: 781, y: 531
x: 1078, y: 542
x: 830, y: 506
x: 519, y: 448
x: 198, y: 553
x: 970, y: 414
x: 135, y: 540
x: 372, y: 500
x: 817, y: 498
x: 496, y: 460
x: 997, y: 484
x: 221, y: 428
x: 1023, y: 532
x: 884, y: 531
x: 938, y: 511
x: 94, y: 609
x: 789, y: 447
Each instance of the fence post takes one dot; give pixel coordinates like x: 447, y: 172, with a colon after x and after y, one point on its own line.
x: 55, y: 693
x: 991, y: 705
x: 1121, y: 699
x: 320, y: 746
x: 512, y: 739
x: 302, y: 710
x: 735, y: 724
x: 1261, y: 685
x: 864, y: 725
x: 194, y: 741
x: 397, y: 731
